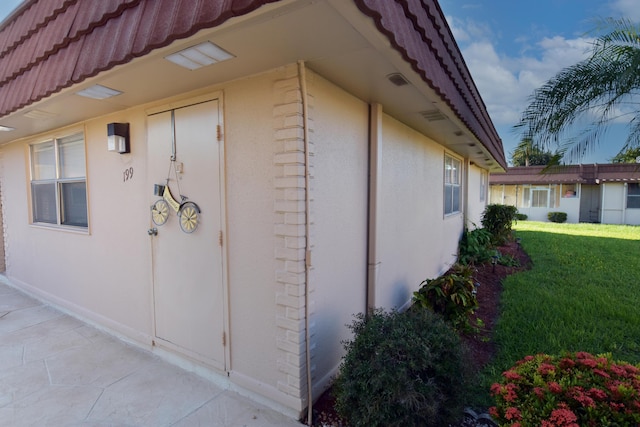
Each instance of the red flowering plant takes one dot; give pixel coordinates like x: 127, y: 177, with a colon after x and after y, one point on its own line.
x: 577, y: 389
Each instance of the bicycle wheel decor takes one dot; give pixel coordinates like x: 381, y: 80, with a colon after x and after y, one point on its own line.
x: 188, y: 214
x: 160, y: 212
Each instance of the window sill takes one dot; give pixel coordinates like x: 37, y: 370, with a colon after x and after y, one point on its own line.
x: 63, y: 228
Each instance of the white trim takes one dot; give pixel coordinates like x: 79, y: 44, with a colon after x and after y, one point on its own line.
x: 461, y: 186
x: 184, y: 102
x: 225, y: 365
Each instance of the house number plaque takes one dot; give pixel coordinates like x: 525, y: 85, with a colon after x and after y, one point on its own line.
x: 127, y: 174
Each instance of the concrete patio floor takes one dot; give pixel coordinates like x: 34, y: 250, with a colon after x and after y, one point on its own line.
x: 58, y: 371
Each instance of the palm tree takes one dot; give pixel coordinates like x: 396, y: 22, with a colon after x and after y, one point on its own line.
x: 528, y: 154
x: 630, y: 155
x: 593, y: 93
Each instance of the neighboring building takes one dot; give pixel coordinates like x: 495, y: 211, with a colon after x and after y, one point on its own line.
x: 599, y: 193
x: 335, y: 151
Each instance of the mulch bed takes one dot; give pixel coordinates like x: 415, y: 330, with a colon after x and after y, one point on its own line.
x: 481, y: 346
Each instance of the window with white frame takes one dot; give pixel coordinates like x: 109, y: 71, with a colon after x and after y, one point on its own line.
x: 483, y: 186
x: 569, y: 191
x: 58, y: 182
x: 452, y: 174
x: 633, y: 195
x: 547, y: 196
x: 539, y: 197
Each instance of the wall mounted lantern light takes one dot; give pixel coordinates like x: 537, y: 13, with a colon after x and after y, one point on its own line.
x: 118, y: 137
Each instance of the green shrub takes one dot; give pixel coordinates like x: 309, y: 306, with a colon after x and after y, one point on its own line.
x: 521, y: 216
x: 401, y: 369
x: 498, y: 219
x: 507, y: 260
x: 574, y: 390
x: 452, y: 295
x: 557, y: 216
x: 475, y: 246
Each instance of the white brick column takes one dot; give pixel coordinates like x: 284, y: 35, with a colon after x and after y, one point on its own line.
x: 289, y: 160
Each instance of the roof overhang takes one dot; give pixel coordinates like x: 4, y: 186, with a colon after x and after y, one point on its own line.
x: 568, y: 174
x: 334, y: 38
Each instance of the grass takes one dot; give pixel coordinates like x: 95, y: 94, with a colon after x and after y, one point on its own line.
x: 582, y: 294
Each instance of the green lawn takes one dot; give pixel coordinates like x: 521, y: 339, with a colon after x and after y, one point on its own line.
x: 582, y: 294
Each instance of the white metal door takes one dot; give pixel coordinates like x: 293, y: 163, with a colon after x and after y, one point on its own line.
x: 188, y: 267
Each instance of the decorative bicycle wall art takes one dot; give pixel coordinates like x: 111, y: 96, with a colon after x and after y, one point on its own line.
x: 188, y: 212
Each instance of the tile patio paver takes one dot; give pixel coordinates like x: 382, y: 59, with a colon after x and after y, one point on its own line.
x: 57, y: 371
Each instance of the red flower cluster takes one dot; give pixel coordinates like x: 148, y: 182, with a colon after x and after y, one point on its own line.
x: 561, y: 417
x: 570, y: 391
x: 546, y: 369
x: 554, y: 387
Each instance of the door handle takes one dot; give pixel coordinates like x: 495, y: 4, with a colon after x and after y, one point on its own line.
x: 152, y: 231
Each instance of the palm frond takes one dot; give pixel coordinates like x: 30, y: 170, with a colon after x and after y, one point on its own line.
x: 590, y: 91
x: 619, y: 31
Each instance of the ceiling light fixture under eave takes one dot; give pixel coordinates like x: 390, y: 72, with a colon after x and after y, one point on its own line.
x: 6, y: 128
x: 198, y: 56
x: 98, y: 92
x: 39, y: 115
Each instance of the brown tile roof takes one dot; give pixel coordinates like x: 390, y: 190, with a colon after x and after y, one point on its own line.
x: 587, y: 174
x: 48, y: 45
x: 418, y: 30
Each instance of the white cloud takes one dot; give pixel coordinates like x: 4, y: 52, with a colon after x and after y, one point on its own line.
x: 497, y: 84
x: 469, y: 30
x: 505, y: 82
x: 628, y: 9
x: 507, y: 78
x: 553, y: 55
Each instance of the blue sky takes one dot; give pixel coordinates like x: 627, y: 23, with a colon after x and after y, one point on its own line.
x: 7, y: 6
x: 514, y: 46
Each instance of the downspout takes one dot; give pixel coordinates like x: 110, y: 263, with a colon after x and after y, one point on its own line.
x: 375, y: 170
x: 602, y: 195
x: 302, y: 76
x: 625, y: 192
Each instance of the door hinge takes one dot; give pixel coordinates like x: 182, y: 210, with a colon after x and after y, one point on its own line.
x: 224, y: 339
x: 220, y: 240
x: 219, y: 132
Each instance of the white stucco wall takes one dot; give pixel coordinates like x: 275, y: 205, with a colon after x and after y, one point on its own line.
x: 476, y: 203
x: 417, y: 241
x: 513, y: 195
x: 251, y: 243
x: 102, y: 274
x: 632, y: 217
x: 571, y: 206
x: 339, y: 214
x: 105, y: 274
x: 614, y: 205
